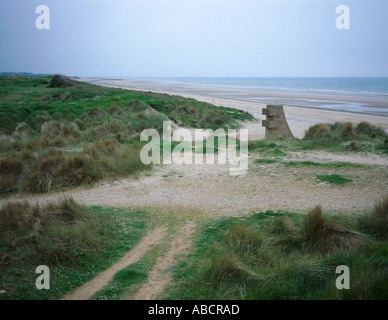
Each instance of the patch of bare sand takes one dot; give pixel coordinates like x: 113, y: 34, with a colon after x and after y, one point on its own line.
x: 160, y: 276
x: 88, y: 289
x: 324, y: 156
x: 211, y: 189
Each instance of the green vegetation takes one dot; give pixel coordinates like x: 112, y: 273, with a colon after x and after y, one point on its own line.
x: 57, y: 133
x: 346, y: 136
x: 130, y: 277
x: 75, y: 242
x: 58, y: 81
x: 334, y: 164
x: 337, y: 179
x: 338, y: 137
x: 311, y: 164
x: 274, y: 153
x: 264, y: 160
x: 27, y: 100
x: 376, y: 222
x: 283, y: 256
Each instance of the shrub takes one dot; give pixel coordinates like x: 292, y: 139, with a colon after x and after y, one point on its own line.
x: 58, y: 81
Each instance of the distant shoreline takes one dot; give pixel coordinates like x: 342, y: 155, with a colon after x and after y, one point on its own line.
x: 300, y: 118
x: 354, y: 102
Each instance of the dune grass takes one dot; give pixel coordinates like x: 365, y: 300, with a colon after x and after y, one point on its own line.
x: 376, y: 221
x: 37, y: 168
x: 57, y: 133
x: 75, y: 242
x: 284, y: 256
x: 23, y: 99
x: 337, y: 137
x: 345, y: 136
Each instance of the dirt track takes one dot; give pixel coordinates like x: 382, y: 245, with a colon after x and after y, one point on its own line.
x: 88, y: 289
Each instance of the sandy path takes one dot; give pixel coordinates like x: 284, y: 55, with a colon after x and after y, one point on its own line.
x: 88, y: 289
x: 160, y: 276
x: 210, y: 188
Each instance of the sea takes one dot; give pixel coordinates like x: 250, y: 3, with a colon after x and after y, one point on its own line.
x: 366, y: 84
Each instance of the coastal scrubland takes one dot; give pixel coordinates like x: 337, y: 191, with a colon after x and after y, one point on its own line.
x: 57, y: 134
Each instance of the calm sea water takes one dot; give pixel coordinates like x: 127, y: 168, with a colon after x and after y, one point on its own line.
x: 370, y: 85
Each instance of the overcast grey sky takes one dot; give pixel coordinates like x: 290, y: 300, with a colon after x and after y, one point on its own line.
x: 259, y: 38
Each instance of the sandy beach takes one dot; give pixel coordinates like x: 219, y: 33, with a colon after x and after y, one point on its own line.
x: 372, y: 108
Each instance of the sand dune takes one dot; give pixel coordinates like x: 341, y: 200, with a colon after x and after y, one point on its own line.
x: 299, y: 118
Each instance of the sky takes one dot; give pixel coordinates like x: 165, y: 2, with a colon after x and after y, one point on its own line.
x: 195, y: 38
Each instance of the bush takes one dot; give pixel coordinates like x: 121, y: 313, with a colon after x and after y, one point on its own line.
x: 58, y: 81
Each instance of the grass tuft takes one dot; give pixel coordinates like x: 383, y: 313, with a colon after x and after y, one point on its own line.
x: 327, y: 237
x: 281, y: 256
x: 376, y: 221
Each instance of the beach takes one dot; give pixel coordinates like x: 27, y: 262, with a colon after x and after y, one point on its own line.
x: 303, y: 108
x: 87, y: 173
